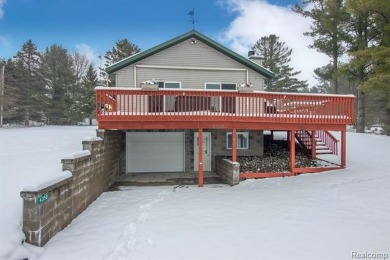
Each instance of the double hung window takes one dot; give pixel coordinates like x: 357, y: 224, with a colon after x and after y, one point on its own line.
x: 242, y: 140
x: 224, y: 104
x: 169, y: 102
x: 166, y: 103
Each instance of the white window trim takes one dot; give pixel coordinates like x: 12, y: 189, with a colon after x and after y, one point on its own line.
x: 219, y: 108
x: 238, y: 133
x: 171, y: 82
x: 165, y: 98
x: 214, y: 83
x: 229, y: 84
x: 220, y: 85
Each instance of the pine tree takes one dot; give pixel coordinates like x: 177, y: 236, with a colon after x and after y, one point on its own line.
x: 328, y: 30
x: 30, y: 88
x: 123, y: 49
x: 86, y: 101
x: 375, y: 59
x: 358, y: 27
x: 11, y: 93
x: 59, y: 74
x: 364, y: 34
x: 276, y: 57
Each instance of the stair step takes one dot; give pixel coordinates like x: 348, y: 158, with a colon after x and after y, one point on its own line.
x: 324, y: 152
x: 322, y: 147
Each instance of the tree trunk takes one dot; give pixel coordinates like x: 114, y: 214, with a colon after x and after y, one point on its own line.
x: 27, y: 117
x: 361, y: 112
x: 387, y: 123
x: 335, y: 74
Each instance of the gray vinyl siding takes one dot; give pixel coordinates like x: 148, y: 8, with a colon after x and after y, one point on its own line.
x: 197, y: 55
x: 256, y: 79
x: 125, y: 77
x: 191, y: 79
x: 184, y: 54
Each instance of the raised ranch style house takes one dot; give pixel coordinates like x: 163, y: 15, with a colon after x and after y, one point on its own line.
x: 188, y: 105
x: 188, y: 102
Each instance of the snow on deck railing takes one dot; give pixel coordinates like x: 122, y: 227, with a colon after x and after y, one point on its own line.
x: 135, y: 104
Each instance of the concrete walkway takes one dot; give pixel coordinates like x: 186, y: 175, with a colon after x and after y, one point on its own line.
x: 166, y: 178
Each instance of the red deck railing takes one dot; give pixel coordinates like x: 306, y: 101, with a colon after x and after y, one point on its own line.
x: 134, y: 104
x: 305, y: 138
x: 328, y: 140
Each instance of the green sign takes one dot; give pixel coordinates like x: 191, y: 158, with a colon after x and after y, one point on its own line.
x: 44, y: 197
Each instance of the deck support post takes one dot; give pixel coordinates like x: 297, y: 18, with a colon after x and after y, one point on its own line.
x: 200, y: 157
x: 313, y: 145
x: 234, y: 145
x: 343, y: 148
x: 292, y: 151
x: 288, y: 139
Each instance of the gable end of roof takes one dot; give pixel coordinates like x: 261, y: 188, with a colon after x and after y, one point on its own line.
x: 191, y: 34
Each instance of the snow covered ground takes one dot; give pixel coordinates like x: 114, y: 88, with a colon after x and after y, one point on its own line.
x: 341, y: 214
x: 27, y: 156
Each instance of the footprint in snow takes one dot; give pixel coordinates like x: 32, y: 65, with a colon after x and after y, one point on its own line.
x: 142, y: 218
x: 150, y: 242
x: 145, y: 207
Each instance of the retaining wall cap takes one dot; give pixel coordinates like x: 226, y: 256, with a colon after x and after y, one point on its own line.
x: 93, y: 139
x: 52, y: 180
x: 234, y: 163
x: 77, y: 155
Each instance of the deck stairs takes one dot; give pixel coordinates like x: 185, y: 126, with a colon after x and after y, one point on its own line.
x: 325, y: 142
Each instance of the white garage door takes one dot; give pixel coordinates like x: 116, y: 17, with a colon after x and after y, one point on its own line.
x: 155, y: 152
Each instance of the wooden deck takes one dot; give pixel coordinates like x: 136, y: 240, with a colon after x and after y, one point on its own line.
x: 133, y: 108
x: 306, y: 117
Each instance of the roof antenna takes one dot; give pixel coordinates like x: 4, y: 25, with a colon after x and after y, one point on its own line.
x: 192, y: 19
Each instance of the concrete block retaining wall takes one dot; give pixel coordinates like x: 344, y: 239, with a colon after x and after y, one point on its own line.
x: 49, y: 206
x: 229, y: 171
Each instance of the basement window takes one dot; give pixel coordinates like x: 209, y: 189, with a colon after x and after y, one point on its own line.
x: 242, y: 140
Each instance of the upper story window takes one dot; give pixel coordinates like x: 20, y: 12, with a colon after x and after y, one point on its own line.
x: 224, y: 104
x: 242, y: 140
x: 169, y: 101
x: 170, y: 84
x: 224, y: 86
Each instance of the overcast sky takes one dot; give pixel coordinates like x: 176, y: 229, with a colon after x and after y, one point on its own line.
x: 93, y: 26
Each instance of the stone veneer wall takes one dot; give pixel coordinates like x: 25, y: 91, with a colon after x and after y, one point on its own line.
x: 229, y: 171
x: 218, y: 145
x: 86, y: 175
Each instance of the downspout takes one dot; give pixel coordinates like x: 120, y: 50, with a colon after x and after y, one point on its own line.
x: 135, y: 75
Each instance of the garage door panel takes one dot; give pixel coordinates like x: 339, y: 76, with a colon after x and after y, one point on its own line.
x: 155, y: 152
